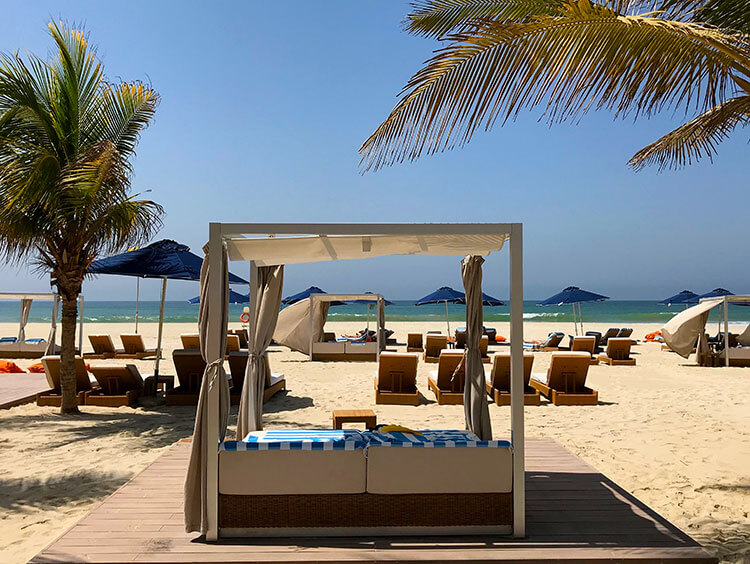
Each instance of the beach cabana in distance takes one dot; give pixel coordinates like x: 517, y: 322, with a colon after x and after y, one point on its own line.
x: 206, y: 508
x: 166, y: 260
x: 574, y: 295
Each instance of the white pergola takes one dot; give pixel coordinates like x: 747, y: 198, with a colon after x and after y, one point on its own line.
x: 270, y: 244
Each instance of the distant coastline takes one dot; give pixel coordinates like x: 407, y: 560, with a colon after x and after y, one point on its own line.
x: 180, y: 311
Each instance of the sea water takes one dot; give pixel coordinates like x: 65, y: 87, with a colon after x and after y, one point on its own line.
x: 612, y: 311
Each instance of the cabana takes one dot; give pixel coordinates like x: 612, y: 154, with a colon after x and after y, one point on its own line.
x: 300, y: 327
x: 220, y: 473
x: 21, y: 347
x: 687, y: 330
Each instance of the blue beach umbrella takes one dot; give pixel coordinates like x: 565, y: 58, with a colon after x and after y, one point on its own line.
x: 304, y: 294
x: 444, y: 295
x: 683, y: 297
x: 165, y: 259
x: 574, y: 295
x: 488, y: 300
x: 234, y: 298
x: 715, y: 293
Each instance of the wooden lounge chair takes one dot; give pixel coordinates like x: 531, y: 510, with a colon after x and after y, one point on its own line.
x: 396, y: 380
x: 120, y: 385
x: 461, y: 338
x: 585, y: 344
x: 597, y: 340
x: 233, y: 344
x: 551, y: 343
x: 498, y: 386
x: 190, y: 342
x: 242, y: 334
x: 611, y: 332
x: 189, y: 366
x: 483, y: 345
x: 132, y: 345
x: 447, y: 382
x: 565, y: 381
x: 433, y: 345
x: 618, y: 352
x: 414, y: 342
x: 53, y: 397
x: 103, y: 347
x: 237, y: 370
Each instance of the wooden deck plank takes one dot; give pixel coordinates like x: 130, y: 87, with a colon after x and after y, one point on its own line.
x: 574, y: 514
x: 18, y: 389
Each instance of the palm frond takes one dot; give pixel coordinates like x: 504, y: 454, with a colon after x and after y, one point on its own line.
x: 588, y: 58
x: 438, y: 18
x: 697, y: 138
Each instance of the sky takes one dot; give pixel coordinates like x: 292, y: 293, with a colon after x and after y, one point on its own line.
x: 264, y: 106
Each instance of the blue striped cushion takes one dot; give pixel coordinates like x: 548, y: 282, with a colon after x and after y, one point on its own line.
x: 299, y: 439
x: 430, y: 439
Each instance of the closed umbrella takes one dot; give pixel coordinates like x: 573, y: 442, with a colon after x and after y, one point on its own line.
x: 573, y: 295
x: 165, y: 259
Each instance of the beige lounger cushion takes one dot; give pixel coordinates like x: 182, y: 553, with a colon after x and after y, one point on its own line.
x: 404, y: 470
x: 285, y: 472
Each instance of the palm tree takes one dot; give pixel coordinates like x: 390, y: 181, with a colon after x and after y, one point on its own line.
x: 632, y: 57
x: 66, y: 137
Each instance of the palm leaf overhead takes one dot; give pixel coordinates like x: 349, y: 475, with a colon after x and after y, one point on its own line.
x: 566, y: 57
x: 67, y: 137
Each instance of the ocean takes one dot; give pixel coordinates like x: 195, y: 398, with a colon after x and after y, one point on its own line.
x: 612, y: 311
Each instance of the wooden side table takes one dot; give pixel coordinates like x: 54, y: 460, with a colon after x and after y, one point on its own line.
x: 366, y: 416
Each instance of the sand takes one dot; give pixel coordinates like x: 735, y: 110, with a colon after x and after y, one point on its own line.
x: 674, y: 434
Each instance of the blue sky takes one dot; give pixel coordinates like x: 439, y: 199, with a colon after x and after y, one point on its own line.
x: 264, y: 107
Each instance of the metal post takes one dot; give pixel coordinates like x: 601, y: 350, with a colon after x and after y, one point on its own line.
x: 137, y: 299
x: 516, y: 380
x: 726, y: 332
x: 213, y: 350
x: 80, y: 324
x: 159, y: 335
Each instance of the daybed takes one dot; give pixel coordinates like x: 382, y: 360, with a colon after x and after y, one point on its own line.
x: 323, y: 482
x: 345, y: 350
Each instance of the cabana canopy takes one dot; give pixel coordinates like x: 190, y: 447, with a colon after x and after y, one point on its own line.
x: 270, y: 246
x: 682, y: 332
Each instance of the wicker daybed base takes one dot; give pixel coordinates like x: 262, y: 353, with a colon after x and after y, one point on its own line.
x: 277, y: 515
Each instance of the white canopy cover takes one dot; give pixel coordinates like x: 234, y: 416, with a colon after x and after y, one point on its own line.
x: 293, y: 326
x: 296, y: 250
x: 682, y: 331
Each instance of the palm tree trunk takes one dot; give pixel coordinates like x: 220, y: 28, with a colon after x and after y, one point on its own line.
x: 67, y: 354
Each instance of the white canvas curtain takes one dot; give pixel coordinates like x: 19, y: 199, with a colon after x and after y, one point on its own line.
x: 475, y: 397
x: 214, y: 375
x: 682, y: 331
x: 266, y: 303
x: 25, y: 309
x: 51, y: 348
x: 293, y: 325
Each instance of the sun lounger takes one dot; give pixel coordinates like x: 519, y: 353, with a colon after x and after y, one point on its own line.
x: 414, y: 342
x: 120, y: 385
x: 103, y: 347
x: 597, y: 340
x: 585, y: 344
x: 618, y: 352
x: 396, y: 380
x: 238, y: 369
x: 611, y: 332
x: 233, y: 344
x: 447, y: 382
x: 565, y: 381
x: 460, y: 338
x: 190, y: 342
x: 242, y: 335
x: 53, y: 397
x: 625, y: 332
x: 189, y: 366
x: 483, y: 343
x: 133, y: 346
x: 498, y: 386
x: 551, y: 343
x: 433, y: 345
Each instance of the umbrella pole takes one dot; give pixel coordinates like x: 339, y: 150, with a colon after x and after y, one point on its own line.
x: 575, y: 321
x: 367, y: 329
x: 580, y: 316
x: 447, y: 321
x: 137, y: 297
x: 159, y: 336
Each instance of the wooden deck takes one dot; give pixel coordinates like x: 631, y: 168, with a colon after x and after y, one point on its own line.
x: 18, y: 389
x: 574, y: 514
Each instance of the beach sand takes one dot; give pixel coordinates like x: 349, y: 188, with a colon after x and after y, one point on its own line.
x: 674, y: 434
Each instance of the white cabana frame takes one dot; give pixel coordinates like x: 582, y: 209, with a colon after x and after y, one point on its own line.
x: 375, y: 298
x: 55, y: 299
x: 256, y: 243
